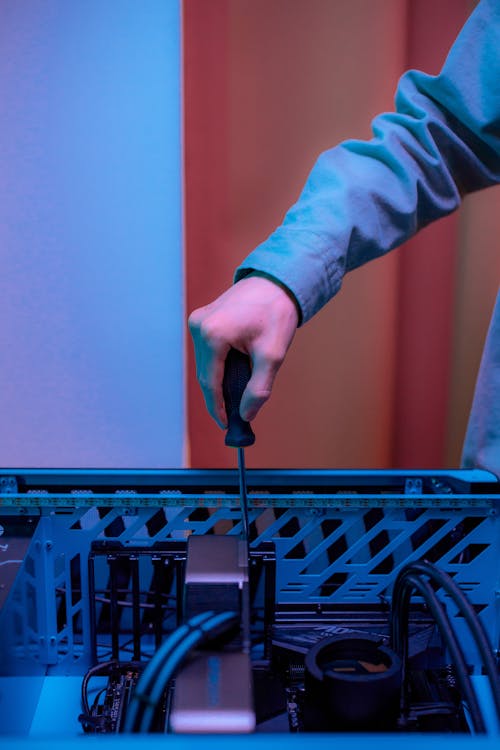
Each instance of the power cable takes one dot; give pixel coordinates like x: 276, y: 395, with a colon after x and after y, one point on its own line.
x: 167, y: 659
x: 206, y: 630
x: 469, y: 614
x: 402, y: 592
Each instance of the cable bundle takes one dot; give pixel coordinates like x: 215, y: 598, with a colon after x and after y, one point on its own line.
x: 160, y: 670
x: 90, y: 718
x: 414, y: 577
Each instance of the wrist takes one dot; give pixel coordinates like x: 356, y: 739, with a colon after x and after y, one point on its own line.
x: 277, y: 282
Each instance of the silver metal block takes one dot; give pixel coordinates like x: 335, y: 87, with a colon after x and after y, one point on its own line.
x: 213, y: 693
x: 216, y: 559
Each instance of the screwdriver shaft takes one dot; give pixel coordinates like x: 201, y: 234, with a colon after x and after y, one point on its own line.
x: 243, y: 493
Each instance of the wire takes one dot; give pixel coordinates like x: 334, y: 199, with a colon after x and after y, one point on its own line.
x: 207, y: 629
x: 172, y: 663
x: 153, y: 667
x: 95, y: 703
x: 403, y: 589
x: 104, y: 651
x: 99, y: 669
x: 120, y: 602
x: 161, y: 683
x: 473, y: 621
x: 166, y: 661
x: 466, y: 609
x: 124, y: 603
x: 104, y: 668
x: 433, y: 709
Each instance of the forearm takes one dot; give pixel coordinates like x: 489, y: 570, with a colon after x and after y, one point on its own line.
x: 364, y: 198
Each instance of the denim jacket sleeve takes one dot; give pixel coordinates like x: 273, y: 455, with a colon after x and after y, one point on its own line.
x: 363, y: 198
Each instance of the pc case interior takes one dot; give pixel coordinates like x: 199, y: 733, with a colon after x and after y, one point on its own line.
x: 96, y: 575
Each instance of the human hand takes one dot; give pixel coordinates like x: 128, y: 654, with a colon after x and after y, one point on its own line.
x: 257, y: 317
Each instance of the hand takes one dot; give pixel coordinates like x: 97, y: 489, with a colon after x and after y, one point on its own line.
x: 259, y: 318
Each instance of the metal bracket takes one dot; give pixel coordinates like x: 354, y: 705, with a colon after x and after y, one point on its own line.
x: 413, y: 486
x: 8, y: 486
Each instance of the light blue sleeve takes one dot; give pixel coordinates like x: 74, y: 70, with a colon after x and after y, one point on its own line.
x: 482, y: 441
x: 364, y: 198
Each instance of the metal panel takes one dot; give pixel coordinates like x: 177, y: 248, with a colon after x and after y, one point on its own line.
x: 335, y: 548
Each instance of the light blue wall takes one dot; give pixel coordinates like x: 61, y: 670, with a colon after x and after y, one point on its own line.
x: 91, y: 311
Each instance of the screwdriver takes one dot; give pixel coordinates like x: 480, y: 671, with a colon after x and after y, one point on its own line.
x: 239, y: 433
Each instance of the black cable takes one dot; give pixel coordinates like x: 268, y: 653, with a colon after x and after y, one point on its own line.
x: 434, y: 709
x: 96, y: 700
x: 139, y: 696
x: 104, y: 669
x: 469, y: 614
x: 402, y: 590
x: 401, y: 596
x: 99, y: 596
x: 167, y: 660
x: 99, y: 669
x: 413, y: 582
x: 206, y: 631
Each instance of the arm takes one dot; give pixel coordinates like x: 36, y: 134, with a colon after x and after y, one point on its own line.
x: 362, y: 199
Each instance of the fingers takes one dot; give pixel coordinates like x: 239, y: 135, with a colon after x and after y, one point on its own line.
x: 259, y: 387
x: 212, y: 389
x: 255, y: 316
x: 210, y: 356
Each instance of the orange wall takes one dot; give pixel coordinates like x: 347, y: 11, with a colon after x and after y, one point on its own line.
x: 268, y: 85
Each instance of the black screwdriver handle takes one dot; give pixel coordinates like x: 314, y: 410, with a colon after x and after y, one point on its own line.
x: 237, y: 373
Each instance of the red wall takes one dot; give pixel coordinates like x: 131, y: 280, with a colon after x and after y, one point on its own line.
x: 268, y: 85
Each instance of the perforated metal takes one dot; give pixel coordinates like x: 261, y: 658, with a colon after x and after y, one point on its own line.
x: 349, y: 554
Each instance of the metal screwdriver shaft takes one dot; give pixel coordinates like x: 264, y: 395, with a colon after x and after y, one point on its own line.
x: 243, y: 493
x: 239, y: 434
